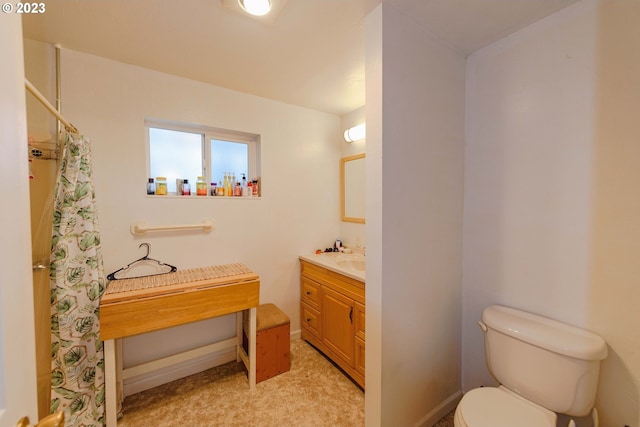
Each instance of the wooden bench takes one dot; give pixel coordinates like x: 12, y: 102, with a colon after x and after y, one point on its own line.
x: 273, y: 338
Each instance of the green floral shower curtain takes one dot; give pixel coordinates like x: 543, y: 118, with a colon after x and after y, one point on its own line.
x: 77, y: 283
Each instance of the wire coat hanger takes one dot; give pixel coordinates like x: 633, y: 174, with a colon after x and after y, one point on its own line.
x: 112, y: 276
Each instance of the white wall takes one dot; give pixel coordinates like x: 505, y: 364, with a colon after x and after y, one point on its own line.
x: 537, y: 190
x: 613, y: 291
x: 528, y: 174
x: 17, y: 353
x: 421, y: 139
x: 373, y: 227
x: 109, y: 101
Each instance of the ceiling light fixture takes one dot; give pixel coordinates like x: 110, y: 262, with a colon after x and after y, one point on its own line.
x: 355, y: 133
x: 256, y: 7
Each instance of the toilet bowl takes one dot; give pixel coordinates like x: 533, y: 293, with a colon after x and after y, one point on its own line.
x: 543, y: 367
x: 499, y: 407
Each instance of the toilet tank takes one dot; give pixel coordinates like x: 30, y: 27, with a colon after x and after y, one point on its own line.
x: 545, y: 361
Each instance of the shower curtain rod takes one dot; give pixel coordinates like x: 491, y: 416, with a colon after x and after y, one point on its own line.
x: 35, y: 92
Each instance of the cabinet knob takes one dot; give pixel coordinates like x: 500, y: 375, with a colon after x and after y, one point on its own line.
x: 308, y: 320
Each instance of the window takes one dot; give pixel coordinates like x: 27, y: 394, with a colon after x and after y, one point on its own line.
x: 186, y: 152
x: 175, y: 154
x: 232, y: 157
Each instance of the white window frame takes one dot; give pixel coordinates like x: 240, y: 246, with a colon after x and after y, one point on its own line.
x: 208, y: 133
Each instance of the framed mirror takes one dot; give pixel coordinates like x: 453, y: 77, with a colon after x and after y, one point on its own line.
x: 352, y: 188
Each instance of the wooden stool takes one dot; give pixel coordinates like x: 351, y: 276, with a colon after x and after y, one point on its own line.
x: 273, y: 341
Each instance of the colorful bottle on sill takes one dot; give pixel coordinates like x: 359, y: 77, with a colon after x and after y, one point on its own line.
x: 151, y: 187
x: 201, y: 186
x: 161, y: 186
x: 186, y: 188
x: 228, y: 190
x: 256, y: 193
x: 244, y: 186
x: 237, y: 192
x: 214, y: 189
x: 220, y: 189
x: 250, y: 189
x: 233, y: 184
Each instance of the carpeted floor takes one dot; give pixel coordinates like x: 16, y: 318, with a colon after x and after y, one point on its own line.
x: 313, y: 393
x: 447, y: 421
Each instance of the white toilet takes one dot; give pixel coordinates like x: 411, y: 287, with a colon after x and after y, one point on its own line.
x: 543, y: 366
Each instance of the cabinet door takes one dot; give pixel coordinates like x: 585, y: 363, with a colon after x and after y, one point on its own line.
x: 338, y: 324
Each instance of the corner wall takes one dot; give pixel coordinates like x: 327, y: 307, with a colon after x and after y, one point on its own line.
x: 551, y: 220
x: 18, y: 396
x: 373, y: 356
x: 421, y: 106
x: 613, y: 293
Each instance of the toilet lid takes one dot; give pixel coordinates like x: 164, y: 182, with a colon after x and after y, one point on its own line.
x: 493, y: 407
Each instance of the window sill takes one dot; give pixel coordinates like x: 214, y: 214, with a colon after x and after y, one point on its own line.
x: 175, y: 196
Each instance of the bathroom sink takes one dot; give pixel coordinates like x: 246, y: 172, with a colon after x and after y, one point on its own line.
x: 354, y: 262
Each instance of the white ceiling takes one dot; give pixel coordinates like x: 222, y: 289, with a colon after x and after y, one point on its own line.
x: 311, y: 54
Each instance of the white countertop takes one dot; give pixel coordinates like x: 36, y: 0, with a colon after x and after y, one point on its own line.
x: 329, y: 260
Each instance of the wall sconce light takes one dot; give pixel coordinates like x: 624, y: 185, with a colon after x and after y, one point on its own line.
x: 355, y: 133
x: 256, y: 7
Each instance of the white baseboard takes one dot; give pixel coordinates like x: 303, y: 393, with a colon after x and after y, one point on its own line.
x: 179, y: 370
x: 175, y: 371
x: 440, y: 411
x: 295, y: 335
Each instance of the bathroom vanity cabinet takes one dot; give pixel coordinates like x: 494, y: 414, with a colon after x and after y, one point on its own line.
x: 332, y: 309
